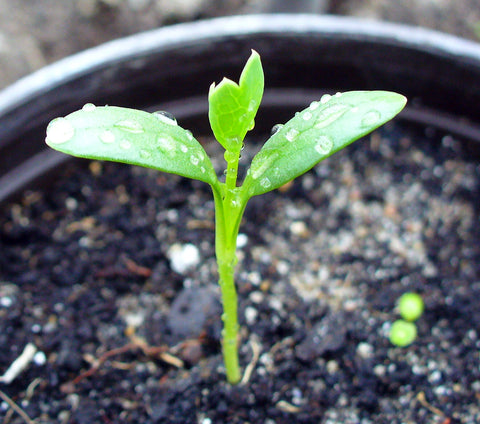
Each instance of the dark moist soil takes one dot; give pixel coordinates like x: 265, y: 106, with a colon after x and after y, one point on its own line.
x: 86, y: 276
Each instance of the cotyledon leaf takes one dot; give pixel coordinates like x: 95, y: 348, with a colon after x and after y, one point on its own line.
x: 232, y: 106
x: 153, y: 140
x: 317, y: 132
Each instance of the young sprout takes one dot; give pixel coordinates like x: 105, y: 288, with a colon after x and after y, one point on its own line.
x: 410, y: 306
x: 404, y: 331
x: 155, y: 140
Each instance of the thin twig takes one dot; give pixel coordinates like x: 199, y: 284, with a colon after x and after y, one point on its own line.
x: 251, y: 366
x: 423, y: 400
x: 16, y: 408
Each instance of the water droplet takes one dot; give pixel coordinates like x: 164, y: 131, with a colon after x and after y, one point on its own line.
x: 307, y: 116
x: 59, y: 131
x: 261, y: 164
x: 130, y: 126
x: 324, y: 145
x: 292, y: 134
x: 338, y: 94
x: 144, y: 154
x: 183, y: 148
x: 325, y: 98
x: 276, y: 128
x: 89, y: 107
x: 252, y: 105
x: 166, y: 143
x: 330, y: 114
x: 371, y: 118
x: 165, y: 117
x: 125, y: 145
x: 265, y: 182
x: 202, y: 169
x: 107, y: 137
x: 230, y: 156
x: 314, y: 105
x: 194, y: 160
x: 252, y: 125
x: 189, y: 135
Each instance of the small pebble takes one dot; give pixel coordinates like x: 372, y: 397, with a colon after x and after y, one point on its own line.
x: 183, y: 257
x: 242, y: 240
x: 250, y: 315
x: 365, y: 350
x: 39, y: 358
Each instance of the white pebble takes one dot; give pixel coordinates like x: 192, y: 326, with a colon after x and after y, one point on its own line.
x: 6, y: 301
x: 299, y: 228
x: 365, y: 350
x: 39, y: 358
x: 183, y: 257
x: 250, y: 315
x: 242, y: 240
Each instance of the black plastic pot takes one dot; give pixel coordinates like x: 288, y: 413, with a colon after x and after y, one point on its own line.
x: 304, y: 55
x: 65, y: 291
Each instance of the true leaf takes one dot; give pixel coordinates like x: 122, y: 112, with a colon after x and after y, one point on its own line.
x: 232, y: 106
x: 316, y: 133
x: 131, y: 136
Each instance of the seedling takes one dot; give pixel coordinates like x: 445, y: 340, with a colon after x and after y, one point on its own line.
x: 155, y: 140
x: 410, y: 306
x: 404, y: 331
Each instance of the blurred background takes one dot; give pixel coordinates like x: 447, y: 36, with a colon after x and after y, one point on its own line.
x: 34, y: 33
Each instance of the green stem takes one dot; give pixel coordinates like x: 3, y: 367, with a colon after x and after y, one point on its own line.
x: 228, y: 214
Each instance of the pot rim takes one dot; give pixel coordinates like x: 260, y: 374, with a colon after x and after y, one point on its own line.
x: 182, y: 34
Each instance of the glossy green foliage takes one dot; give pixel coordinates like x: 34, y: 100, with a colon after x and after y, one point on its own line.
x: 317, y: 132
x: 152, y: 140
x: 232, y: 106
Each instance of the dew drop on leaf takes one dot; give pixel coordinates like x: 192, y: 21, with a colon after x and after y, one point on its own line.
x: 323, y: 145
x: 59, y: 131
x: 107, y: 137
x: 189, y: 135
x: 130, y: 126
x: 88, y: 107
x: 371, y: 118
x: 325, y: 98
x: 166, y: 144
x: 252, y: 105
x: 144, y: 154
x: 276, y: 128
x: 292, y: 134
x: 184, y: 148
x: 259, y: 166
x: 194, y: 160
x: 265, y: 182
x: 307, y: 116
x: 125, y: 145
x: 330, y: 114
x: 314, y: 105
x: 165, y: 117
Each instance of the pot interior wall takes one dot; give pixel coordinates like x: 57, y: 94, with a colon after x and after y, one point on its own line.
x: 303, y: 57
